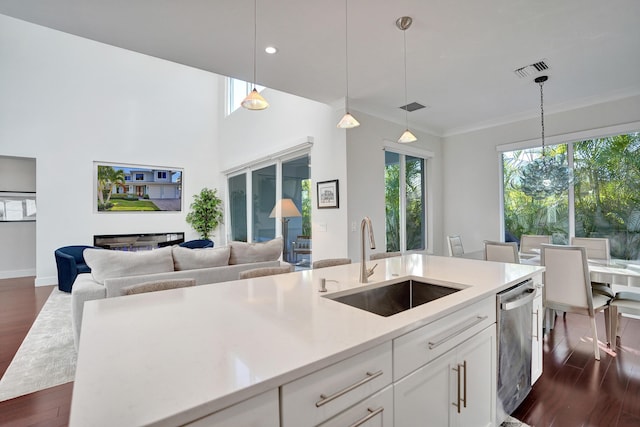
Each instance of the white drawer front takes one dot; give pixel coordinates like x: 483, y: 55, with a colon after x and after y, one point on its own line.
x: 414, y: 349
x: 376, y: 411
x: 319, y: 396
x: 259, y: 411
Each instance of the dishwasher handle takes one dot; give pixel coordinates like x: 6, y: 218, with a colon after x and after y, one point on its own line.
x: 511, y: 305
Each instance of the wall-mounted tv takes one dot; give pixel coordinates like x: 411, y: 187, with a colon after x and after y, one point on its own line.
x: 137, y: 188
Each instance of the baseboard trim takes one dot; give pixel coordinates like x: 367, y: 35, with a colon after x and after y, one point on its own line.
x: 46, y: 281
x: 17, y: 273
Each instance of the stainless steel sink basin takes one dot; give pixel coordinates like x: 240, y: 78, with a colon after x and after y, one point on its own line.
x: 394, y: 298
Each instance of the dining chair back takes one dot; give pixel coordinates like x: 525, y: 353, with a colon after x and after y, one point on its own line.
x: 501, y: 251
x: 623, y: 303
x: 455, y: 245
x: 330, y: 262
x: 597, y: 247
x: 382, y: 255
x: 265, y: 271
x: 567, y: 286
x: 530, y: 243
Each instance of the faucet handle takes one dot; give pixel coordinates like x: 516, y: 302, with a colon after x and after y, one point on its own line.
x: 370, y: 270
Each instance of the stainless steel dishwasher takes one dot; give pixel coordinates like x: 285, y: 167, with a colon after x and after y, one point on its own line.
x: 514, y: 323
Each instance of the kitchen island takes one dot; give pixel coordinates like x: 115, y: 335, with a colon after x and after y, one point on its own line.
x: 172, y: 357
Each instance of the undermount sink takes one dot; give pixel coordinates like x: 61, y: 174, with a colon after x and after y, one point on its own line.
x: 394, y: 298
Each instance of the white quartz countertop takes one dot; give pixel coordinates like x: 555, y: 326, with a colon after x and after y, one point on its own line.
x: 164, y: 358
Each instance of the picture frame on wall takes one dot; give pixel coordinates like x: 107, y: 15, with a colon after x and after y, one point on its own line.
x: 127, y: 188
x: 328, y: 194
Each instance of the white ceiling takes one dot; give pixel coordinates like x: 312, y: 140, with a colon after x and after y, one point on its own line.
x: 461, y: 54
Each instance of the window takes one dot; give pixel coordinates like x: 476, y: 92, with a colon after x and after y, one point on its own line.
x: 405, y: 205
x: 162, y: 175
x: 139, y: 177
x: 603, y: 200
x: 249, y: 217
x: 237, y: 90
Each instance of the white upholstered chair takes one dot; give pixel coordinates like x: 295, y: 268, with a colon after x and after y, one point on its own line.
x: 501, y: 251
x: 567, y: 287
x: 381, y: 255
x: 455, y: 245
x: 530, y: 243
x: 597, y: 247
x: 330, y: 262
x: 623, y: 302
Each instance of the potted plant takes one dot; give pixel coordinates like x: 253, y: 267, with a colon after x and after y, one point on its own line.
x: 206, y: 212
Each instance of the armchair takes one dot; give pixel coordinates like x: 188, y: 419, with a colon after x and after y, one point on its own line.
x: 197, y: 244
x: 70, y: 262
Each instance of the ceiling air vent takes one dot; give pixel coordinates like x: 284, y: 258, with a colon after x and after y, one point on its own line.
x: 412, y: 107
x: 532, y: 69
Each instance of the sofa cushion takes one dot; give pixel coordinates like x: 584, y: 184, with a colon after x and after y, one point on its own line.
x: 189, y: 259
x: 159, y: 285
x: 106, y: 264
x: 243, y: 252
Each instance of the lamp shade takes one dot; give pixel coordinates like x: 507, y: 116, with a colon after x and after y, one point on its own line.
x: 348, y: 122
x: 407, y: 137
x: 284, y: 208
x: 254, y: 101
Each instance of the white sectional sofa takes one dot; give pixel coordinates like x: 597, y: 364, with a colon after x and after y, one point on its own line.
x: 111, y: 271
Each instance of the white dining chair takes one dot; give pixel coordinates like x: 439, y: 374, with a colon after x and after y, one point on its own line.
x: 455, y: 245
x: 382, y: 255
x: 501, y: 251
x: 597, y: 247
x: 530, y: 243
x: 567, y: 287
x: 330, y: 262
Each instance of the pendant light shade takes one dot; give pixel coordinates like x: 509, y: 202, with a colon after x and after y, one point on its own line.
x: 254, y: 101
x: 347, y: 121
x: 403, y: 24
x: 407, y: 137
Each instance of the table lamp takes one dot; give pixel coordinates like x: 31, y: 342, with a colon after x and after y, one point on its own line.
x: 285, y: 209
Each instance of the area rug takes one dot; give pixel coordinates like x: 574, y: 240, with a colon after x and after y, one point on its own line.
x: 47, y: 356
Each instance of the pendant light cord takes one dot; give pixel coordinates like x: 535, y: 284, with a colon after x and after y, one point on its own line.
x: 346, y: 52
x: 255, y: 39
x: 406, y: 108
x: 542, y: 115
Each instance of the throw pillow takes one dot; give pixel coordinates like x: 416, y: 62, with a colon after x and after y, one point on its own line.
x: 106, y: 264
x: 189, y: 259
x: 243, y: 252
x: 160, y: 285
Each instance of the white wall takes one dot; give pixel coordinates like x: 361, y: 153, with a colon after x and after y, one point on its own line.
x: 472, y: 164
x: 365, y: 159
x: 250, y: 135
x: 68, y: 101
x: 18, y: 248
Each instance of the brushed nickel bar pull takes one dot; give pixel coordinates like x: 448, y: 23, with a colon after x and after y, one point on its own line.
x: 373, y: 413
x: 457, y: 405
x: 326, y: 399
x: 464, y: 399
x: 537, y: 314
x: 440, y: 339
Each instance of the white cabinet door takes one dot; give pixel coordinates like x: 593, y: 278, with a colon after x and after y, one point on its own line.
x: 259, y: 411
x: 536, y: 347
x: 456, y: 389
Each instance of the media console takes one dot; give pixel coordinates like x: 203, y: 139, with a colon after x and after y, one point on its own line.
x: 137, y: 242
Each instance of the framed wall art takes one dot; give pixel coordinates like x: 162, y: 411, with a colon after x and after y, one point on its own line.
x: 328, y: 194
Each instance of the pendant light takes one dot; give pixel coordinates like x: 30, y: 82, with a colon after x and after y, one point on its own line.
x: 403, y: 24
x: 254, y: 101
x: 548, y: 175
x: 347, y: 121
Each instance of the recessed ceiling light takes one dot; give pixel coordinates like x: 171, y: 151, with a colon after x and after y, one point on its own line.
x: 271, y: 50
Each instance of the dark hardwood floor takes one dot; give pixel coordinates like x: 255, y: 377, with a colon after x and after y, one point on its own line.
x: 20, y: 303
x: 574, y: 390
